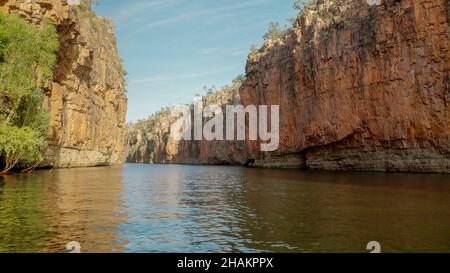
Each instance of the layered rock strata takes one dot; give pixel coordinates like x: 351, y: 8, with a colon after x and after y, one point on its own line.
x: 360, y: 87
x: 87, y: 98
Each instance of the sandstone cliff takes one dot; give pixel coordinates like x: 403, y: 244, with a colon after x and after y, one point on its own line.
x: 87, y: 98
x: 360, y: 87
x: 150, y: 141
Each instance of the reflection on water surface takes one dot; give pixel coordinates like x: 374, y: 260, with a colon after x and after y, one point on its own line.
x: 170, y: 208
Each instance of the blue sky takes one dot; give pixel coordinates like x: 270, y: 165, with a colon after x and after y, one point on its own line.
x: 172, y: 48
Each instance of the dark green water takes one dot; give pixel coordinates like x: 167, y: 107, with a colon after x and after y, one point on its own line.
x: 155, y: 208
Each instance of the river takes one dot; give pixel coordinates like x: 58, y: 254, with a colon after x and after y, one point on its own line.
x: 172, y: 208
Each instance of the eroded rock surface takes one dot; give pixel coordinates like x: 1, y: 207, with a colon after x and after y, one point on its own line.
x: 360, y: 87
x: 87, y: 99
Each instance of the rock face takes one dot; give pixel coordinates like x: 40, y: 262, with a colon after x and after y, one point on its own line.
x: 36, y: 10
x: 150, y: 141
x: 360, y: 87
x: 87, y: 99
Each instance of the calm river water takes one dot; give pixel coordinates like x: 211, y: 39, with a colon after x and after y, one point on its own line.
x: 170, y: 208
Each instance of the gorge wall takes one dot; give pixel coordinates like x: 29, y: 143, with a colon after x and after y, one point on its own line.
x: 150, y: 141
x: 87, y: 98
x: 360, y: 87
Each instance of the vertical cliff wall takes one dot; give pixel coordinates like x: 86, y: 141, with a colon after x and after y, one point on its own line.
x: 87, y: 99
x: 360, y: 87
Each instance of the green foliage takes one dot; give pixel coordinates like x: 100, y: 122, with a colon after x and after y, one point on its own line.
x: 228, y: 93
x: 300, y: 5
x: 87, y: 4
x: 254, y: 48
x: 27, y: 59
x: 20, y: 143
x: 238, y: 81
x: 275, y: 31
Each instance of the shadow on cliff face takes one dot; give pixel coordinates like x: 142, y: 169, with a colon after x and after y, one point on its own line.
x: 2, y: 163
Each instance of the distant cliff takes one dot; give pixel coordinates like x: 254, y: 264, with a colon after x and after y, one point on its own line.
x: 150, y: 141
x: 360, y: 87
x: 87, y: 98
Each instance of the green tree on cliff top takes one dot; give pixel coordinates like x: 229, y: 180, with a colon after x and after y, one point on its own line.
x: 300, y: 5
x: 27, y: 59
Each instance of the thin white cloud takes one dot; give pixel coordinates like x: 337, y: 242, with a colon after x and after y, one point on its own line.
x: 165, y: 78
x: 170, y: 78
x: 131, y: 10
x: 205, y: 12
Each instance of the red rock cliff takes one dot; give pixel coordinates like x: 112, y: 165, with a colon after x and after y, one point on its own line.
x: 360, y: 87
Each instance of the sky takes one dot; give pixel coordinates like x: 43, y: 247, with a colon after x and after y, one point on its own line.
x: 173, y: 48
